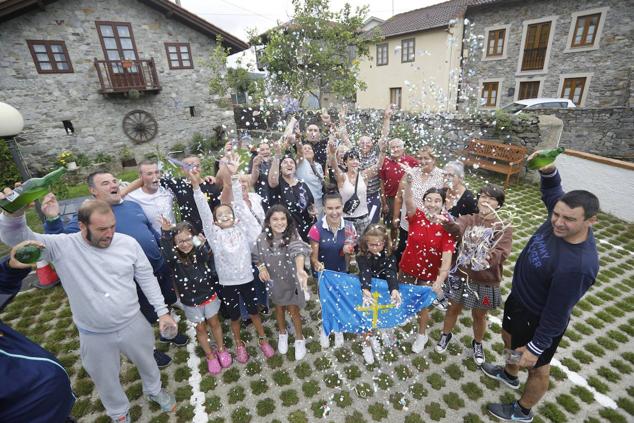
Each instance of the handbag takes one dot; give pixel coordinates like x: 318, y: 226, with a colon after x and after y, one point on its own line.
x: 353, y: 202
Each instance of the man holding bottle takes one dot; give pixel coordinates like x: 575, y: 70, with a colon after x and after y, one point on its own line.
x: 132, y: 221
x: 100, y: 269
x: 558, y: 265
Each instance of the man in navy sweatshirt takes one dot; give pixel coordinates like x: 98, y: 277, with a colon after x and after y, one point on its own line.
x: 35, y: 387
x: 132, y: 221
x: 552, y: 273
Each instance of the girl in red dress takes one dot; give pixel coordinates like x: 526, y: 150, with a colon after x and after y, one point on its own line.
x: 427, y: 257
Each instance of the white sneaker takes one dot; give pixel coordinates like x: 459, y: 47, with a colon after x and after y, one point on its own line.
x: 367, y: 354
x: 338, y: 339
x: 376, y: 346
x: 300, y: 349
x: 323, y: 338
x: 282, y: 343
x: 419, y: 344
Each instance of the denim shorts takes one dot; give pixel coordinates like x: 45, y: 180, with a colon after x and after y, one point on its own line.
x: 201, y: 313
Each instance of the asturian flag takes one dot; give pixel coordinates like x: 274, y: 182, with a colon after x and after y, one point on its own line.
x: 342, y: 307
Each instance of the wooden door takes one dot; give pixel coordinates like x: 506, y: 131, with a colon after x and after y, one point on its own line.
x: 120, y: 51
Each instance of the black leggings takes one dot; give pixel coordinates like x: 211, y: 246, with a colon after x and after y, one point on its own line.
x: 402, y: 243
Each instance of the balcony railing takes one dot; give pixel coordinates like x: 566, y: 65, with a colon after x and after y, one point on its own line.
x: 534, y: 58
x: 118, y: 76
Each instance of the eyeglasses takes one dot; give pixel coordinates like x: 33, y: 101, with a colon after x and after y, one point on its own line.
x: 185, y: 241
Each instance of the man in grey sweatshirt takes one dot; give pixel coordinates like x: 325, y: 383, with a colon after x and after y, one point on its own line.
x: 97, y: 267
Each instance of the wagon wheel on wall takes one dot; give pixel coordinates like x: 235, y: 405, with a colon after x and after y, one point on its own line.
x: 140, y: 126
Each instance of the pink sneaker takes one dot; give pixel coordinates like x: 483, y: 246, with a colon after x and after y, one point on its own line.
x: 213, y: 365
x: 241, y: 354
x: 267, y: 349
x: 225, y: 358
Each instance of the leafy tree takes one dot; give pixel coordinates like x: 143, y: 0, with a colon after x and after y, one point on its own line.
x: 226, y: 80
x: 317, y: 50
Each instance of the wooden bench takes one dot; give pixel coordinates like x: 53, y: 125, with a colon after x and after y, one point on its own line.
x: 492, y: 155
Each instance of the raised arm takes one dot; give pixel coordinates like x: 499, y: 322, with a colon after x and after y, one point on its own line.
x: 405, y: 187
x: 246, y: 221
x: 385, y: 129
x: 332, y: 162
x: 206, y: 216
x: 134, y: 185
x: 274, y: 172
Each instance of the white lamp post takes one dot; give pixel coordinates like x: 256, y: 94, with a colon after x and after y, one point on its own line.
x: 11, y: 124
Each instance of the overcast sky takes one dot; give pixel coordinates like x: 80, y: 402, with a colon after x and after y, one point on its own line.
x: 236, y: 16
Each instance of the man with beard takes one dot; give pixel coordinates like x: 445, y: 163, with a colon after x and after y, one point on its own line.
x: 98, y: 268
x: 130, y: 221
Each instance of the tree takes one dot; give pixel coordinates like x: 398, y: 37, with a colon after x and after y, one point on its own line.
x: 317, y: 51
x: 224, y: 80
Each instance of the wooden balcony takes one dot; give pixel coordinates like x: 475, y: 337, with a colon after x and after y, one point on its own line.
x: 122, y: 76
x: 534, y: 58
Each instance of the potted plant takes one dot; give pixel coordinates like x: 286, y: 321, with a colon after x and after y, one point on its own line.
x: 127, y: 158
x: 68, y: 159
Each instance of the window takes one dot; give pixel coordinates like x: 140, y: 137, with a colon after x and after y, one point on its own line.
x: 50, y: 56
x: 586, y: 30
x: 573, y: 89
x: 381, y: 54
x: 495, y: 44
x: 536, y: 46
x: 490, y: 94
x: 408, y: 50
x: 395, y: 97
x: 528, y: 89
x: 179, y: 55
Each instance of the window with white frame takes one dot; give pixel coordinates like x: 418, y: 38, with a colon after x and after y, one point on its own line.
x: 586, y: 27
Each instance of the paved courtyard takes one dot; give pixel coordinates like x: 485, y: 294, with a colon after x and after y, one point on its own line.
x: 592, y: 380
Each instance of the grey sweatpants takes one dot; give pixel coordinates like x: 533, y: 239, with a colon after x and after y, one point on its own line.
x: 101, y: 357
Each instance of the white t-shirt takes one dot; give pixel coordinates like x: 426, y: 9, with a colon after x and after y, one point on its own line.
x: 155, y: 205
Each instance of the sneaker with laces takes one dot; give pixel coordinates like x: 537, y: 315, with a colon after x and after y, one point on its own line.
x: 368, y: 356
x: 213, y: 365
x: 179, y: 340
x: 338, y: 339
x: 267, y: 349
x: 282, y: 343
x: 300, y: 349
x: 419, y: 344
x: 224, y: 358
x: 478, y: 353
x: 165, y: 400
x: 242, y: 356
x: 324, y: 341
x: 442, y: 344
x: 510, y: 412
x: 122, y: 419
x: 497, y: 372
x: 441, y: 304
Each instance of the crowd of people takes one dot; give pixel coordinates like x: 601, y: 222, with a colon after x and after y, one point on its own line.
x: 233, y: 245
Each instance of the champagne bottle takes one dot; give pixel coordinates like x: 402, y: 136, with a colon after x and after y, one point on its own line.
x: 30, y: 191
x: 28, y: 254
x: 544, y: 158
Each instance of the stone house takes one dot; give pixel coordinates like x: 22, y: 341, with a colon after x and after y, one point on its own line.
x: 95, y: 76
x: 580, y: 50
x: 416, y: 64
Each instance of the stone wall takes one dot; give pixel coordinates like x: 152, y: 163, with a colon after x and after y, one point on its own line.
x: 605, y: 132
x: 610, y: 67
x: 46, y: 99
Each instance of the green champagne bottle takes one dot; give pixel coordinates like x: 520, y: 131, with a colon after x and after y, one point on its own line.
x: 544, y: 158
x: 28, y: 254
x: 30, y: 191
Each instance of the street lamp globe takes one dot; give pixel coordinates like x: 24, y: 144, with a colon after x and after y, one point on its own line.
x: 11, y: 121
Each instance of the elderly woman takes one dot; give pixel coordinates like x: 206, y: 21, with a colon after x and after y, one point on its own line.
x: 459, y: 200
x: 286, y: 189
x: 424, y: 176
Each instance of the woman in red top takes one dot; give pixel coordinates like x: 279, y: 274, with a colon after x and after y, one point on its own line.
x: 427, y: 257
